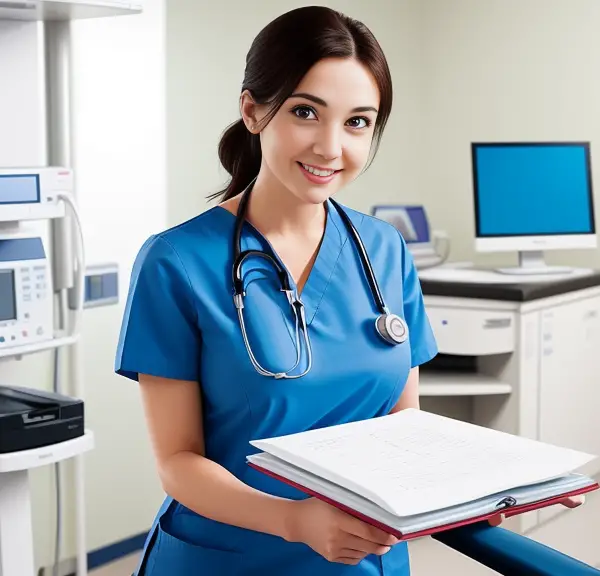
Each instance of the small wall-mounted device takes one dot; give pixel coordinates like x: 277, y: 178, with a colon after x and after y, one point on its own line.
x: 101, y: 286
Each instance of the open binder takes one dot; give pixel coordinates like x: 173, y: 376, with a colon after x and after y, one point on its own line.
x: 413, y: 473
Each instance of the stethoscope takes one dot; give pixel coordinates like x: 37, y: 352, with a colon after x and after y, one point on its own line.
x: 390, y: 327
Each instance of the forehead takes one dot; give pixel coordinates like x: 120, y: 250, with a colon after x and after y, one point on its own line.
x: 344, y: 83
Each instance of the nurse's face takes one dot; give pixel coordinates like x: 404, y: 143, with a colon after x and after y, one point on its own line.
x: 320, y: 138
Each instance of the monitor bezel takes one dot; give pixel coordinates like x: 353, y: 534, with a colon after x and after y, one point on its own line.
x: 533, y: 241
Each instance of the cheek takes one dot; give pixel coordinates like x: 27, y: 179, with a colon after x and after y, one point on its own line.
x: 281, y: 148
x: 356, y: 153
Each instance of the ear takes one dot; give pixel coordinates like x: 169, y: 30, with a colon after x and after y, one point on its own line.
x: 249, y: 111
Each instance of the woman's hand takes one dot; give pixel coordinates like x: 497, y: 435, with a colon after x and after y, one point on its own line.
x: 333, y: 534
x: 571, y: 502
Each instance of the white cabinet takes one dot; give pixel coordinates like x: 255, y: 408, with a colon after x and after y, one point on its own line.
x: 569, y: 412
x: 545, y: 385
x: 569, y: 388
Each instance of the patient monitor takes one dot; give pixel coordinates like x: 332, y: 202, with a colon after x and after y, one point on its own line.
x: 531, y: 197
x: 428, y: 249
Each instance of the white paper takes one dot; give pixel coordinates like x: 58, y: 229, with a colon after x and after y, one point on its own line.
x: 414, y: 462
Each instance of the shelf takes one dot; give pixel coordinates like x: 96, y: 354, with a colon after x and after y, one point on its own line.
x: 43, y: 10
x: 18, y: 351
x: 460, y: 384
x: 27, y: 459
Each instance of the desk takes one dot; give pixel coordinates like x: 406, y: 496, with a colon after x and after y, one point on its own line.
x: 16, y: 534
x: 533, y: 351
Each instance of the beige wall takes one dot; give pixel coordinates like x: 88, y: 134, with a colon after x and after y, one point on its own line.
x: 503, y: 70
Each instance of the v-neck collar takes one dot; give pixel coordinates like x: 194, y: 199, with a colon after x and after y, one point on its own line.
x: 334, y: 237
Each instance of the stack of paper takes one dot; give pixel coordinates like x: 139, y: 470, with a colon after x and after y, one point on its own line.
x: 415, y: 473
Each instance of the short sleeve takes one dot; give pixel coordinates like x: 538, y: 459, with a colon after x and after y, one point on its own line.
x: 422, y: 340
x: 159, y: 332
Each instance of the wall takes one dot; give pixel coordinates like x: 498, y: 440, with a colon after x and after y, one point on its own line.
x: 203, y: 92
x: 119, y: 105
x: 119, y: 142
x: 503, y: 70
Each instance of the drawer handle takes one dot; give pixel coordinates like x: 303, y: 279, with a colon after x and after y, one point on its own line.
x: 494, y: 323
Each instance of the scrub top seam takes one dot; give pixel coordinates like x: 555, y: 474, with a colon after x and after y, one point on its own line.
x: 403, y: 246
x: 404, y: 249
x: 185, y: 272
x: 334, y: 223
x: 344, y: 238
x: 329, y: 279
x: 380, y: 221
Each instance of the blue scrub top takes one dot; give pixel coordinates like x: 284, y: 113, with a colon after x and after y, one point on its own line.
x: 180, y: 322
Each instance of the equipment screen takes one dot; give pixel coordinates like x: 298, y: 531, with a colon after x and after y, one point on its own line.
x: 532, y: 189
x: 410, y: 221
x: 19, y: 189
x: 8, y: 308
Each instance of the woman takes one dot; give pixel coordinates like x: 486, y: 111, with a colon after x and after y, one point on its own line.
x: 315, y: 99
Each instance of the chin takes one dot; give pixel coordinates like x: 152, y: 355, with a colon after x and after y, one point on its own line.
x: 315, y: 194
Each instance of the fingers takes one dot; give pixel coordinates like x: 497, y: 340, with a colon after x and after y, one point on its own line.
x: 360, y: 545
x: 574, y: 501
x: 352, y: 556
x: 348, y: 560
x: 367, y: 532
x: 496, y: 520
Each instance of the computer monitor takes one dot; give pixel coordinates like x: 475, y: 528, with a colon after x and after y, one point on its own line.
x: 531, y: 197
x: 410, y: 221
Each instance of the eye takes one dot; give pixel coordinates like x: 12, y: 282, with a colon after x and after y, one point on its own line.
x: 359, y: 122
x: 303, y: 112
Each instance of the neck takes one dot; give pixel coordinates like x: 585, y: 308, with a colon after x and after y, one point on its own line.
x: 275, y: 211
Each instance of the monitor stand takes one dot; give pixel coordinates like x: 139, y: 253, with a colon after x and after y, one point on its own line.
x: 532, y: 263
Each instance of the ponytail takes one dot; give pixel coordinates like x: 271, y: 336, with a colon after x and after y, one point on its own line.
x: 240, y: 155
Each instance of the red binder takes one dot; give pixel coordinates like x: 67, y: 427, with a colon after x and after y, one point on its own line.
x: 508, y: 510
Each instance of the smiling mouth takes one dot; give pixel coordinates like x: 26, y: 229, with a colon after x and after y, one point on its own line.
x: 318, y: 171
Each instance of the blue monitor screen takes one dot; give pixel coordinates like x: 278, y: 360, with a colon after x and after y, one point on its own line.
x: 532, y: 189
x: 19, y: 189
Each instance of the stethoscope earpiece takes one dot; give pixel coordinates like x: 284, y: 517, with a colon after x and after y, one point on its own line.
x: 392, y: 328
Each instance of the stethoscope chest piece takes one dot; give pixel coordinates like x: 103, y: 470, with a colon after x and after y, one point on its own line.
x: 392, y: 328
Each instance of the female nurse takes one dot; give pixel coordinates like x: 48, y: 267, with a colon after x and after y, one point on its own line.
x: 216, y: 372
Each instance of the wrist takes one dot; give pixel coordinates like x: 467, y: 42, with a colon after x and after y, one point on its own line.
x: 287, y: 519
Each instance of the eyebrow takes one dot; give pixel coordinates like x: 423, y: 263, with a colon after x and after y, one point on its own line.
x: 322, y: 102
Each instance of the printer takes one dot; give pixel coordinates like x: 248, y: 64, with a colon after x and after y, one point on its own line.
x: 31, y: 418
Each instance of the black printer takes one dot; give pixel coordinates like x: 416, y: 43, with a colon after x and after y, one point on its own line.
x: 31, y: 418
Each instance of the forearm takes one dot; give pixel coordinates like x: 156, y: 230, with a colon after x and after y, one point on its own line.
x: 410, y: 395
x: 212, y: 491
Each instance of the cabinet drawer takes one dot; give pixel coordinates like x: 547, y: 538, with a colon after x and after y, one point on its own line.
x: 470, y: 332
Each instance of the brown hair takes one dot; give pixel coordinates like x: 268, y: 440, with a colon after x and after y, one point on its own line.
x: 279, y: 57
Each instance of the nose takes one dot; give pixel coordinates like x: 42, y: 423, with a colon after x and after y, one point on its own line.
x: 328, y: 143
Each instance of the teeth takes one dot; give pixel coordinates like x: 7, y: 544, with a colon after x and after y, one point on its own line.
x: 317, y: 172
